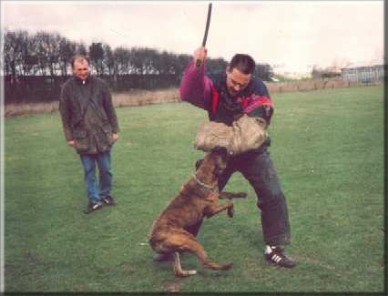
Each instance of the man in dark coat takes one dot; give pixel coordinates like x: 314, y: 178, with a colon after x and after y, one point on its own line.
x: 226, y: 96
x: 91, y: 127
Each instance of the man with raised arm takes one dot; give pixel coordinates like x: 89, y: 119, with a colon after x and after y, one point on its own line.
x: 226, y: 96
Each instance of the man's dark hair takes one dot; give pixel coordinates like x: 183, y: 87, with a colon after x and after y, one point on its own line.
x: 79, y: 57
x: 243, y: 62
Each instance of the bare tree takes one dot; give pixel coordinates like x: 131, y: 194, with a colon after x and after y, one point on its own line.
x: 122, y: 63
x: 108, y: 60
x: 47, y: 50
x: 66, y: 50
x: 96, y: 53
x: 15, y: 51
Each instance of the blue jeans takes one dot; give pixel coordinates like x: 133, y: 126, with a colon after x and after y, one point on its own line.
x: 97, y: 190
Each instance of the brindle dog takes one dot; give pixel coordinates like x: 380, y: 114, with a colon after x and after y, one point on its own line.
x: 173, y: 231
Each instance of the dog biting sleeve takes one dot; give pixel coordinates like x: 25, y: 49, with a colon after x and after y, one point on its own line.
x: 246, y: 133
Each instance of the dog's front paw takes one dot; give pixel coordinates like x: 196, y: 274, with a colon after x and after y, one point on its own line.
x: 231, y: 211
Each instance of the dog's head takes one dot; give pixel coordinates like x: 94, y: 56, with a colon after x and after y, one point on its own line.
x: 214, y: 161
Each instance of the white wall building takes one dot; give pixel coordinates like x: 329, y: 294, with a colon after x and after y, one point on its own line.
x: 364, y: 72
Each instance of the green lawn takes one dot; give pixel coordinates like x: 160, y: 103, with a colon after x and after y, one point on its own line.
x: 327, y: 146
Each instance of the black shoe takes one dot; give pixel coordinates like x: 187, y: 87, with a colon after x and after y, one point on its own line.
x: 278, y: 258
x: 163, y: 257
x: 108, y: 200
x: 93, y: 206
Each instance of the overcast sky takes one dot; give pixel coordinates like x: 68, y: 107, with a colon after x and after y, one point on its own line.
x: 294, y: 34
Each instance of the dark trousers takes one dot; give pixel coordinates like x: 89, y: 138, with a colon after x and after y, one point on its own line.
x: 258, y: 169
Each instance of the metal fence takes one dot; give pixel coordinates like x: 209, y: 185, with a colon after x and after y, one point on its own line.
x: 364, y: 74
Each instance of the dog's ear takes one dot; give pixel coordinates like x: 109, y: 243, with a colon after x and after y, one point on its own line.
x: 198, y: 163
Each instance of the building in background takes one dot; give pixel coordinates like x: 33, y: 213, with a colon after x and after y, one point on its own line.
x: 364, y: 72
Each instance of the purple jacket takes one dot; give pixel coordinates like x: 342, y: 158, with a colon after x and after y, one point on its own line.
x: 209, y: 92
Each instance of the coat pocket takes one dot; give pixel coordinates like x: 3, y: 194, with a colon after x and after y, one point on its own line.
x: 108, y: 136
x: 82, y: 142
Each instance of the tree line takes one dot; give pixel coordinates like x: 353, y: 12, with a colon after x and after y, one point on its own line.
x: 35, y: 65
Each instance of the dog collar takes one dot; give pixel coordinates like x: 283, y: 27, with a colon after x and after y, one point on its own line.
x: 203, y: 184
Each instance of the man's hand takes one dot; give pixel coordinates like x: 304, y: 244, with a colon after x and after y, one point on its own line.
x: 200, y: 55
x: 71, y: 143
x: 115, y: 137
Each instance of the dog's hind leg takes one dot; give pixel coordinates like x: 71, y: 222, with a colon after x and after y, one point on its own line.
x: 186, y: 242
x: 193, y: 246
x: 178, y: 267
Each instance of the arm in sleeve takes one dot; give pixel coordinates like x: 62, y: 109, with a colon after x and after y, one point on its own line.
x: 195, y: 86
x: 110, y: 110
x: 64, y: 109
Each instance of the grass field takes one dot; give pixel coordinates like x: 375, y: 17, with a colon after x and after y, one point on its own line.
x: 328, y: 149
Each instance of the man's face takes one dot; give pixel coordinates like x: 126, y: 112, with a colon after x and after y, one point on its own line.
x: 236, y: 81
x: 81, y: 69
